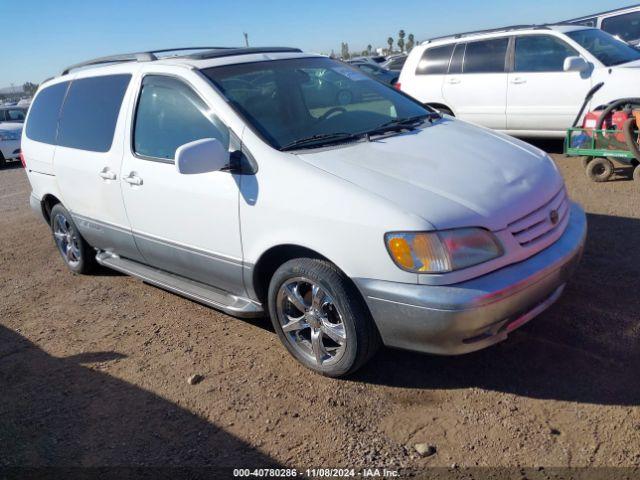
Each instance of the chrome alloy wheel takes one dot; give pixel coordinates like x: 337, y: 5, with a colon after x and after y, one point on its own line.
x: 67, y: 241
x: 311, y: 321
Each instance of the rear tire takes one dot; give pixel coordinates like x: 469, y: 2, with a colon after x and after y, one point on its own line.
x: 321, y: 318
x: 600, y: 169
x: 77, y: 254
x: 636, y: 173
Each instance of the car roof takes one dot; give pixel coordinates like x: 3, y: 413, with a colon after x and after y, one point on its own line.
x: 478, y: 34
x: 607, y: 12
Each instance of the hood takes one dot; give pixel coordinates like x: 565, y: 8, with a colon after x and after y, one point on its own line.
x: 451, y: 173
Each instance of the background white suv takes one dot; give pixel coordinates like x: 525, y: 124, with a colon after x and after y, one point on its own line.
x: 528, y: 81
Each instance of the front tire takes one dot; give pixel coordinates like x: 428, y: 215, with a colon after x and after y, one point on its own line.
x: 77, y: 254
x: 321, y: 318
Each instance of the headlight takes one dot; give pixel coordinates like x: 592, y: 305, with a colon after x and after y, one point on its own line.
x: 442, y: 251
x: 9, y: 135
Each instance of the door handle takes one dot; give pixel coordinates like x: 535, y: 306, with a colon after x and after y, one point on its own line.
x: 518, y: 81
x: 107, y: 174
x: 453, y: 81
x: 133, y: 179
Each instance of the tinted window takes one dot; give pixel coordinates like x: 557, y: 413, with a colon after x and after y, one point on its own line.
x: 486, y: 57
x: 609, y: 50
x: 456, y: 59
x: 435, y: 60
x: 43, y: 119
x: 90, y: 112
x: 626, y: 26
x: 15, y: 115
x: 588, y: 22
x: 170, y: 114
x: 541, y: 53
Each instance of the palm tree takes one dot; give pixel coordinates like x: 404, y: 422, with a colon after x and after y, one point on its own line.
x: 369, y: 49
x: 390, y: 42
x: 411, y: 41
x: 401, y: 35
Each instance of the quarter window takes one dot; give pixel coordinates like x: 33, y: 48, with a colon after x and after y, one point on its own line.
x: 487, y: 56
x: 90, y: 112
x: 43, y: 117
x: 170, y: 114
x: 541, y: 53
x: 626, y: 27
x: 435, y: 60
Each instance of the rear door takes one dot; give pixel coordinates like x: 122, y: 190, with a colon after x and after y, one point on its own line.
x: 541, y: 95
x: 87, y: 160
x: 432, y: 67
x: 477, y: 91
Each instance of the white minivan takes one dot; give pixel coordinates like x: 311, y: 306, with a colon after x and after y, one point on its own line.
x: 274, y: 182
x: 526, y: 81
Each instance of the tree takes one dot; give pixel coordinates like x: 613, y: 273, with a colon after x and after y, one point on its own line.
x: 401, y: 35
x: 369, y: 49
x: 345, y: 51
x: 30, y: 88
x: 411, y: 41
x: 390, y: 42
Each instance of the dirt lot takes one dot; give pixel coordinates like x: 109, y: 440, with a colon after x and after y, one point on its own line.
x: 93, y: 369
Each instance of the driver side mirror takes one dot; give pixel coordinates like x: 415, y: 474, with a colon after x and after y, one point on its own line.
x: 575, y: 64
x: 202, y: 156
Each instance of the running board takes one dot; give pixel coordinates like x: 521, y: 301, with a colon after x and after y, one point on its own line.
x: 200, y: 292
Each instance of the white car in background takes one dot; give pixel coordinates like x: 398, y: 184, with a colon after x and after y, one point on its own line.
x: 10, y: 134
x: 525, y: 81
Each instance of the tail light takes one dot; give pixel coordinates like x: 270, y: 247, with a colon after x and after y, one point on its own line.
x: 24, y: 165
x: 398, y: 86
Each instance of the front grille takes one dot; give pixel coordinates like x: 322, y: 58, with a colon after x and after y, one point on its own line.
x: 539, y: 224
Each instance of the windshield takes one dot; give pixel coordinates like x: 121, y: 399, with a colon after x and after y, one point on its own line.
x: 609, y: 50
x: 294, y: 99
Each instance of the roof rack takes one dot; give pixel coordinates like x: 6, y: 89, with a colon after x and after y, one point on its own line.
x: 230, y: 52
x: 136, y: 57
x: 490, y: 30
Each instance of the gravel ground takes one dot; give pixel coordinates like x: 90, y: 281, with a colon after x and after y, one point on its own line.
x: 93, y: 370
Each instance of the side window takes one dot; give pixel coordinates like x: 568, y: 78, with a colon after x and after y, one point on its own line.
x: 170, y: 114
x: 44, y: 112
x: 15, y: 115
x: 435, y: 60
x: 487, y: 56
x: 541, y: 53
x: 456, y: 59
x: 626, y: 27
x: 588, y: 22
x: 90, y: 112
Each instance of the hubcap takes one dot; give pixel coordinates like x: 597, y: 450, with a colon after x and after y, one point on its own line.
x: 311, y: 321
x: 66, y: 240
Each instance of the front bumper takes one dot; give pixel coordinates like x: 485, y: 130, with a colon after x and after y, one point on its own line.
x: 468, y: 316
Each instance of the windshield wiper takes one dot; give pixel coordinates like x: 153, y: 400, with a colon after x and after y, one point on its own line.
x: 321, y: 139
x: 401, y: 124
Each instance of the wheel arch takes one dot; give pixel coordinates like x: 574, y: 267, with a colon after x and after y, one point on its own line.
x: 47, y: 203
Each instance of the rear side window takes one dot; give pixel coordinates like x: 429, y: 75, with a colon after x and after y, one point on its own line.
x: 541, y: 53
x: 170, y: 114
x: 435, y: 60
x: 487, y: 56
x: 90, y: 112
x: 45, y: 111
x: 626, y: 27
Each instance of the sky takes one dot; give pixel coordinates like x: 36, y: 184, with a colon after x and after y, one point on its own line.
x: 48, y: 35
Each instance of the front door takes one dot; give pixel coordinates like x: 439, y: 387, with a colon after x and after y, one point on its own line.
x: 541, y: 95
x: 185, y: 224
x: 478, y: 91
